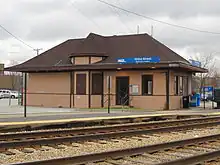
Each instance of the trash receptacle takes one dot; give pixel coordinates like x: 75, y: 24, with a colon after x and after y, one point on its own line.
x: 194, y: 101
x: 185, y: 101
x: 198, y: 99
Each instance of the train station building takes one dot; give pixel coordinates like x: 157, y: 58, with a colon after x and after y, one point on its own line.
x: 97, y: 71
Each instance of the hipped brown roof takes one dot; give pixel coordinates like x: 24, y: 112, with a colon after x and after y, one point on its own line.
x: 102, y: 66
x: 112, y: 47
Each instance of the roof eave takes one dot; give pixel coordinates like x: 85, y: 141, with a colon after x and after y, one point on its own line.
x: 113, y: 66
x: 193, y: 68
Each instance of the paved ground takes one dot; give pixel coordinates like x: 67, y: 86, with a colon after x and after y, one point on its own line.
x: 8, y: 107
x: 99, y: 115
x: 10, y: 112
x: 8, y: 102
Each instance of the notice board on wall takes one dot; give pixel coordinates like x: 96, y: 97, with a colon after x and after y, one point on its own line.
x: 134, y: 89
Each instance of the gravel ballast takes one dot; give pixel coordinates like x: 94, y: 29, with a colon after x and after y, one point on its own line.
x: 94, y: 146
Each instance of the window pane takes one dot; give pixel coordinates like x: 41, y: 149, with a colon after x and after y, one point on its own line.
x: 149, y: 87
x: 181, y: 85
x: 72, y: 81
x: 97, y: 84
x: 147, y: 84
x: 185, y: 86
x: 80, y: 84
x: 176, y: 85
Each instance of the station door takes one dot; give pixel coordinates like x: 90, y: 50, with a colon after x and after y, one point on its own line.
x: 122, y: 90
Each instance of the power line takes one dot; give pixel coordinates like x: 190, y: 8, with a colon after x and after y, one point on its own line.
x: 119, y: 18
x: 20, y: 40
x: 129, y: 16
x: 159, y: 21
x: 73, y: 3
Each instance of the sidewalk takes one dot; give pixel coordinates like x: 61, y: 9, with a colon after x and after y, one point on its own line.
x: 37, y: 113
x: 16, y: 113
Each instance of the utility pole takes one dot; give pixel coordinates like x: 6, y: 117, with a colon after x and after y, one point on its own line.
x: 152, y: 30
x: 137, y: 29
x: 37, y: 50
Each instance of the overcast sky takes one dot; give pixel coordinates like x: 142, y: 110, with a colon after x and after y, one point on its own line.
x: 45, y: 23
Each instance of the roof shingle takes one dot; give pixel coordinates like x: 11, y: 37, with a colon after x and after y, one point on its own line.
x: 113, y: 47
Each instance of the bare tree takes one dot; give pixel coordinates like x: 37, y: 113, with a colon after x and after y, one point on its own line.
x: 15, y: 77
x: 208, y: 61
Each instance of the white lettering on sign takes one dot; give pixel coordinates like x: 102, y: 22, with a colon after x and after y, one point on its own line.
x: 143, y: 58
x: 136, y: 59
x: 121, y: 60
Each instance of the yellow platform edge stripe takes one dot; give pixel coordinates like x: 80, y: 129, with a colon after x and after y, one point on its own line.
x: 57, y: 121
x: 78, y: 119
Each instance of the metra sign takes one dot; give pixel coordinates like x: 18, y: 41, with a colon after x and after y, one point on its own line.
x: 195, y: 63
x: 135, y: 60
x: 208, y: 89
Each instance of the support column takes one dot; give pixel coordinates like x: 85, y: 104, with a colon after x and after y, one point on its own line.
x: 102, y: 96
x: 168, y: 89
x: 89, y: 95
x: 109, y: 93
x: 71, y: 88
x: 25, y: 94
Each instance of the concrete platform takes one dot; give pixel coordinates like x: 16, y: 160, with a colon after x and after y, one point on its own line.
x: 37, y: 116
x: 11, y: 115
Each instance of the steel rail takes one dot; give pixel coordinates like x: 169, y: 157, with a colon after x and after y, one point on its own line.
x: 80, y: 138
x: 194, y: 159
x: 63, y: 132
x: 102, y: 156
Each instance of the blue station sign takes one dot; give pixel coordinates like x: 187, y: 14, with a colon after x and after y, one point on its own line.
x: 195, y: 63
x: 137, y: 60
x: 208, y: 89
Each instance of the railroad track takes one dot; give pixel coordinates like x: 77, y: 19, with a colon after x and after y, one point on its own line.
x: 183, y: 152
x: 53, y: 137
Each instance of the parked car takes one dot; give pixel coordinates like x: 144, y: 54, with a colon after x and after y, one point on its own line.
x: 1, y: 95
x: 204, y: 97
x: 14, y: 94
x: 210, y: 97
x: 5, y: 93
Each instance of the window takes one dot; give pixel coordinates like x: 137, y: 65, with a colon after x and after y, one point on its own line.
x: 81, y: 60
x: 147, y: 84
x: 185, y: 86
x: 176, y: 85
x: 73, y: 60
x: 181, y: 85
x: 72, y: 82
x: 97, y: 83
x: 81, y: 84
